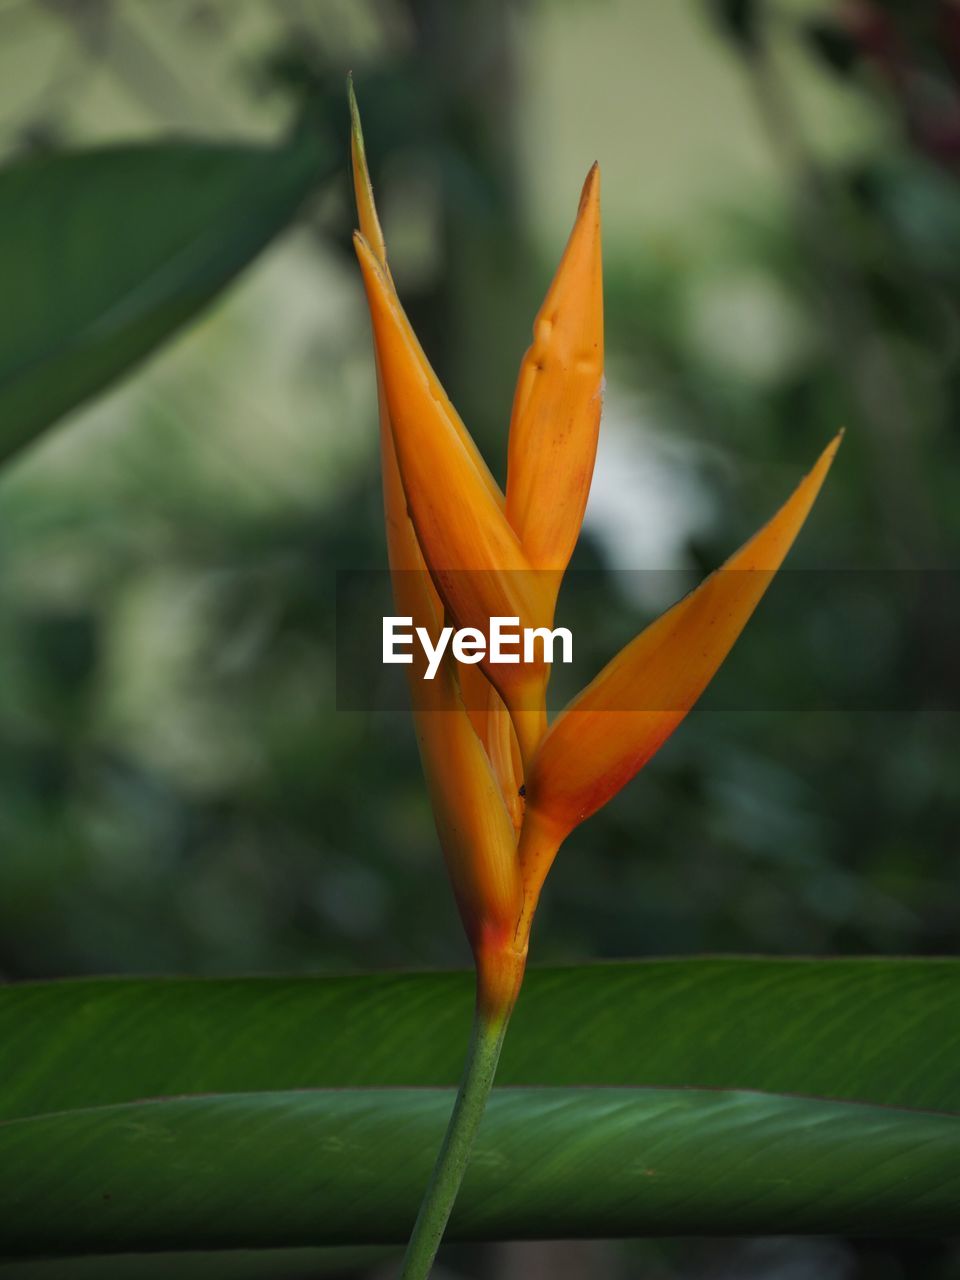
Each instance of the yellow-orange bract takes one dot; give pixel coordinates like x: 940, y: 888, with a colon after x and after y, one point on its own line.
x: 556, y: 408
x: 459, y: 547
x: 474, y: 823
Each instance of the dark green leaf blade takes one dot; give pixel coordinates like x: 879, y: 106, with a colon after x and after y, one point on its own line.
x: 349, y: 1166
x: 885, y: 1031
x: 104, y: 253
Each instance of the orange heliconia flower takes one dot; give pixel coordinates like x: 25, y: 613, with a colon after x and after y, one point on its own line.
x: 507, y: 789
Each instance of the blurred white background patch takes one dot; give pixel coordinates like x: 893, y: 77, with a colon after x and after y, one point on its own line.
x: 648, y: 498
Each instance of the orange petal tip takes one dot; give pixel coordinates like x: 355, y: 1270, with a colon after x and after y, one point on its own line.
x: 590, y: 194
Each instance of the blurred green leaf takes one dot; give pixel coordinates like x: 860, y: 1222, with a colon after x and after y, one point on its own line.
x: 104, y: 253
x: 349, y: 1166
x: 884, y: 1031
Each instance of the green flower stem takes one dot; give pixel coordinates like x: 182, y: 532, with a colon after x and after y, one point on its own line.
x: 479, y: 1070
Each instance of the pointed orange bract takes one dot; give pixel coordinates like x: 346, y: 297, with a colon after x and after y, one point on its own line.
x: 622, y: 717
x: 477, y: 833
x: 556, y: 408
x: 413, y: 589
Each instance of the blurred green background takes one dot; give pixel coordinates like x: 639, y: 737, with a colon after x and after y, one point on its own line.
x: 781, y: 187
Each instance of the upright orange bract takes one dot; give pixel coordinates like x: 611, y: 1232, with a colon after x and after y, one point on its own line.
x: 556, y: 408
x: 476, y: 831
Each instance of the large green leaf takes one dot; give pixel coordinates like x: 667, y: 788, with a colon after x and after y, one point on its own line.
x: 104, y: 253
x: 875, y: 1030
x: 343, y: 1166
x: 258, y: 1159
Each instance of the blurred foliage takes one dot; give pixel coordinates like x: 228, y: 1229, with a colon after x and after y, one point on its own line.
x: 178, y: 791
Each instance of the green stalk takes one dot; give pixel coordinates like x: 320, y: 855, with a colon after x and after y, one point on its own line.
x: 486, y: 1041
